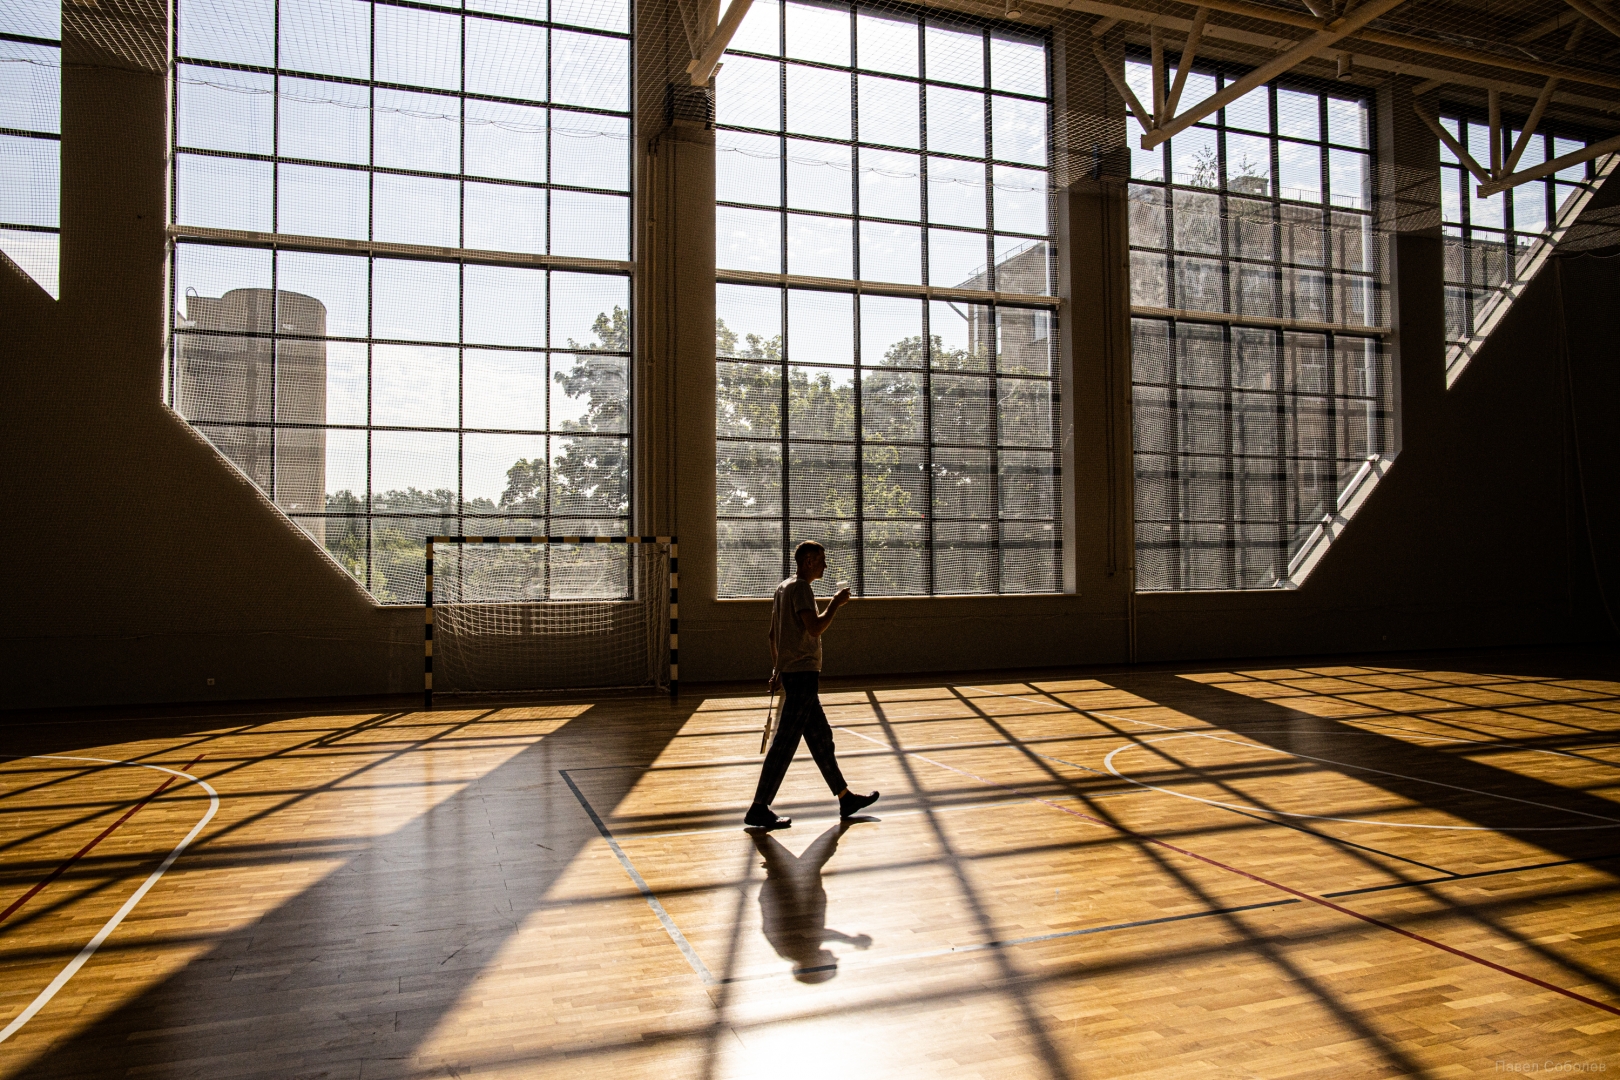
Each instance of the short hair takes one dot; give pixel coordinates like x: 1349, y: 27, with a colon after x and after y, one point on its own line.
x: 805, y: 550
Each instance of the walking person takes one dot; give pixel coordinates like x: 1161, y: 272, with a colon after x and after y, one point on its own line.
x: 796, y: 628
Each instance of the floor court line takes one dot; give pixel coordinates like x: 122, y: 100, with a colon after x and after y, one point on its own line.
x: 709, y: 979
x: 647, y: 894
x: 82, y: 852
x: 44, y: 997
x: 1290, y: 890
x: 1611, y: 823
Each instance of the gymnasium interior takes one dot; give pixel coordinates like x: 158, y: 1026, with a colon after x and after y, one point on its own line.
x: 1208, y: 406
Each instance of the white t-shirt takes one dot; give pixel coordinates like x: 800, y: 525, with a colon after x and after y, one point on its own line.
x: 796, y: 648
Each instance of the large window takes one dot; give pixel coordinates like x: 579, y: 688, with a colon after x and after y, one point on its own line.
x: 908, y: 422
x: 1493, y: 244
x: 31, y: 137
x: 402, y: 304
x: 1262, y: 386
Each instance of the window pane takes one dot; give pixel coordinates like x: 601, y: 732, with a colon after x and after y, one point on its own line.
x: 414, y: 386
x: 955, y: 121
x: 748, y: 168
x: 957, y: 259
x: 415, y: 301
x: 585, y: 311
x: 502, y: 217
x: 820, y: 327
x: 416, y: 210
x: 819, y: 246
x: 1019, y: 129
x: 337, y: 282
x: 323, y: 37
x: 218, y: 109
x: 505, y: 390
x: 818, y: 33
x: 589, y: 150
x: 886, y: 42
x: 503, y: 305
x: 1017, y: 67
x: 748, y: 93
x: 891, y: 184
x: 956, y: 192
x: 747, y: 239
x: 418, y: 48
x: 819, y: 176
x: 818, y: 102
x: 890, y: 112
x: 891, y: 253
x: 589, y: 70
x: 761, y: 29
x: 589, y: 225
x: 232, y: 31
x: 416, y: 131
x: 218, y: 193
x: 954, y: 55
x: 507, y: 60
x: 506, y: 142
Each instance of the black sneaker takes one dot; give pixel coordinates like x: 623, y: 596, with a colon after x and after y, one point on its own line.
x: 762, y: 817
x: 850, y: 804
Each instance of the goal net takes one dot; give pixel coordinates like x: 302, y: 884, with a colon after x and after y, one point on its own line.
x: 528, y: 613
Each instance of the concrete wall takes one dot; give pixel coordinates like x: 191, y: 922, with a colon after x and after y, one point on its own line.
x: 143, y: 564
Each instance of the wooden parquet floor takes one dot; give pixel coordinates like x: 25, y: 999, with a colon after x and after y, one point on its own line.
x: 1329, y: 872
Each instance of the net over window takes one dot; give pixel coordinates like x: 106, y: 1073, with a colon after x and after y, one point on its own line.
x: 31, y: 137
x: 1492, y: 244
x: 913, y: 436
x: 1262, y: 384
x: 467, y: 372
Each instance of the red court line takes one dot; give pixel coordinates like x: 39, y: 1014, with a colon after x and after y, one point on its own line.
x: 82, y: 852
x: 1143, y: 837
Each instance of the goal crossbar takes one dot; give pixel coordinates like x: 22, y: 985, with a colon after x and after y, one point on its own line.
x: 673, y: 585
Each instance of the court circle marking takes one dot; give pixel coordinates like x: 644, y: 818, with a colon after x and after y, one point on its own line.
x: 1108, y: 762
x: 136, y: 897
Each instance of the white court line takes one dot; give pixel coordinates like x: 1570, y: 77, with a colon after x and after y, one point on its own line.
x: 1109, y: 762
x: 89, y: 950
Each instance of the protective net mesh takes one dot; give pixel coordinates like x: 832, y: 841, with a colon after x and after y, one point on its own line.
x: 522, y: 617
x: 406, y: 233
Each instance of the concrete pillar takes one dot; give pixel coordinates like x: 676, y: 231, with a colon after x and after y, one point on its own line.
x: 1409, y: 211
x: 675, y: 263
x: 1092, y: 170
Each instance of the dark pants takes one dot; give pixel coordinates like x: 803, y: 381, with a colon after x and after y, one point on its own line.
x: 801, y: 717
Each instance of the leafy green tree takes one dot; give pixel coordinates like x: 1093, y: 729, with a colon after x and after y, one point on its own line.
x: 590, y: 476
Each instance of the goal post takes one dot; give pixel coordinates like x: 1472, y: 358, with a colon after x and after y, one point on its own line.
x: 525, y: 613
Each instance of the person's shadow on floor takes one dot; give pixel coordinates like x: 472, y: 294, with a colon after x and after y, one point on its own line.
x: 793, y: 905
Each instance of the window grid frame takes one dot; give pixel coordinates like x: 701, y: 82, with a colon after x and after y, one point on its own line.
x: 785, y: 440
x: 1286, y: 334
x: 274, y: 247
x: 1474, y: 295
x: 41, y: 135
x: 854, y: 143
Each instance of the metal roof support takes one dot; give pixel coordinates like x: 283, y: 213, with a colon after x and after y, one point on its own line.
x: 1481, y: 173
x: 703, y: 68
x: 1123, y: 87
x: 1597, y: 15
x: 1536, y: 172
x: 1530, y: 126
x: 1189, y: 52
x: 1332, y: 32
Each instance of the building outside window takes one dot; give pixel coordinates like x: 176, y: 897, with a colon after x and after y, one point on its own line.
x: 402, y: 302
x: 1496, y: 243
x: 1262, y: 384
x: 31, y: 138
x: 886, y: 355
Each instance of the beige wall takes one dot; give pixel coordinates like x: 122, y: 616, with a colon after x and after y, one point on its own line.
x: 143, y: 565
